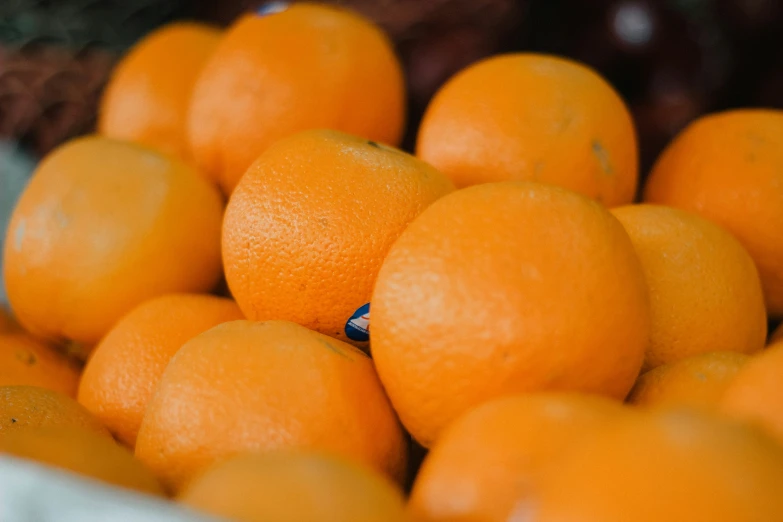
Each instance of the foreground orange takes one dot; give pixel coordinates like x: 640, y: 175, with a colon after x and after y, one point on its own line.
x: 82, y: 451
x: 696, y: 381
x: 505, y: 288
x: 727, y: 167
x: 102, y: 226
x: 148, y: 96
x: 756, y: 393
x: 533, y: 117
x: 673, y: 465
x: 245, y: 386
x: 127, y: 365
x: 705, y: 292
x: 294, y: 487
x: 491, y: 459
x: 308, y: 227
x: 27, y: 361
x: 308, y: 66
x: 24, y: 408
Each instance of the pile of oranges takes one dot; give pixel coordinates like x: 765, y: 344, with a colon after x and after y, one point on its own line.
x: 241, y: 295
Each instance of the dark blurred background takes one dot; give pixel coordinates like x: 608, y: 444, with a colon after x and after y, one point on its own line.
x: 671, y: 59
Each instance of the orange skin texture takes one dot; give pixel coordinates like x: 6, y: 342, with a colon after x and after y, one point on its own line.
x: 102, y: 226
x: 292, y: 487
x: 490, y: 459
x: 127, y: 365
x: 697, y: 381
x: 24, y: 408
x: 533, y: 117
x: 148, y: 95
x: 309, y: 225
x: 728, y: 167
x: 258, y: 386
x: 669, y: 465
x: 83, y: 452
x: 483, y: 296
x: 756, y: 393
x: 27, y: 361
x: 705, y: 292
x: 310, y: 66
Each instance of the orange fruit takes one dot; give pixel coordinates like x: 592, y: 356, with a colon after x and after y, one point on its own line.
x: 321, y: 209
x: 777, y: 335
x: 121, y: 375
x: 698, y: 381
x: 102, y: 226
x: 148, y: 95
x: 7, y: 322
x: 672, y: 465
x: 309, y: 66
x: 705, y: 293
x: 30, y: 362
x: 727, y: 168
x: 23, y: 408
x: 83, y: 452
x: 505, y: 288
x: 532, y: 117
x: 292, y: 487
x: 490, y: 459
x: 756, y: 393
x: 249, y: 386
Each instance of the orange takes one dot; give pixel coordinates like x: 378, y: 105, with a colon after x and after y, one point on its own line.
x: 293, y: 487
x: 125, y: 367
x: 698, y: 381
x: 777, y: 335
x: 756, y: 393
x: 102, y: 226
x: 7, y: 322
x: 673, y: 465
x: 490, y: 459
x: 505, y: 288
x: 249, y: 386
x: 705, y: 293
x: 532, y: 117
x: 83, y: 452
x: 148, y: 95
x: 309, y: 66
x: 30, y: 362
x: 321, y: 209
x: 728, y: 168
x: 23, y: 408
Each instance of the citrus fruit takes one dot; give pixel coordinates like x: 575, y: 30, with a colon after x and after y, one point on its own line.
x: 273, y: 74
x: 121, y: 375
x: 756, y: 393
x: 699, y: 381
x: 672, y: 465
x: 23, y: 408
x: 28, y: 361
x: 532, y: 117
x: 257, y: 386
x: 148, y: 95
x: 505, y: 288
x: 102, y: 226
x: 291, y: 487
x: 321, y: 209
x: 83, y: 452
x: 777, y: 335
x: 490, y: 459
x: 7, y: 322
x: 727, y: 167
x: 705, y: 293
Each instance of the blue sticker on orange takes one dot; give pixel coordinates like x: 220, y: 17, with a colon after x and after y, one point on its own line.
x: 358, y: 326
x: 272, y: 8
